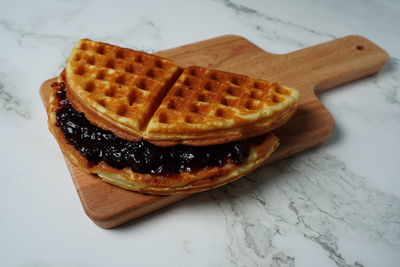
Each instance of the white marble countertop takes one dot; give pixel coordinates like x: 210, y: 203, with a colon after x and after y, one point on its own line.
x: 335, y: 205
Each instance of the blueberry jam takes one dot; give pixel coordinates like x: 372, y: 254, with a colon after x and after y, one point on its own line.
x: 97, y: 145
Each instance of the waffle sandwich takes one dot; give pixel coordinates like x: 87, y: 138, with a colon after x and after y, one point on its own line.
x: 143, y: 123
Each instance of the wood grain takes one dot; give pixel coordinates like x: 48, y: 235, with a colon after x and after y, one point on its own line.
x: 310, y: 70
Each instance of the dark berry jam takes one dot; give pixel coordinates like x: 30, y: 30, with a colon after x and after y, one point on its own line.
x: 96, y: 145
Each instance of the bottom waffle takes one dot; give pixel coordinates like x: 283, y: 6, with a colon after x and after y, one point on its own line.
x: 167, y: 184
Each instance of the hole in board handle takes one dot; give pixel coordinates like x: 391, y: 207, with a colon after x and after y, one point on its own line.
x: 360, y: 47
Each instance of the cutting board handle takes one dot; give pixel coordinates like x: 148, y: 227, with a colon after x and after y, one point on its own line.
x: 336, y: 62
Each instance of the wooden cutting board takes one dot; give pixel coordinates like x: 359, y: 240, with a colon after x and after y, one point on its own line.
x: 310, y: 70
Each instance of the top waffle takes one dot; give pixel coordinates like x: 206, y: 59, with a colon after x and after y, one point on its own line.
x: 117, y: 87
x: 138, y: 95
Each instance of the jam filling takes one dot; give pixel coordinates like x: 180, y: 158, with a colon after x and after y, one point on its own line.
x: 96, y: 144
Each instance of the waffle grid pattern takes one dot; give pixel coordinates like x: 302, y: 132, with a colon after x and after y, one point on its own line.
x: 122, y: 81
x: 139, y: 91
x: 201, y: 97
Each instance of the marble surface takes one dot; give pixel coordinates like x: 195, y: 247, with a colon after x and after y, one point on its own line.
x: 335, y: 205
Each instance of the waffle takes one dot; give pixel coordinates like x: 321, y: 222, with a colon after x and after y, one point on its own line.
x: 182, y: 183
x: 117, y: 88
x: 208, y: 106
x: 137, y: 95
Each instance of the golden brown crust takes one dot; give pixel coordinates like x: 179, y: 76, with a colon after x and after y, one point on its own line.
x: 196, y: 107
x: 118, y: 88
x: 205, y: 107
x: 201, y: 180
